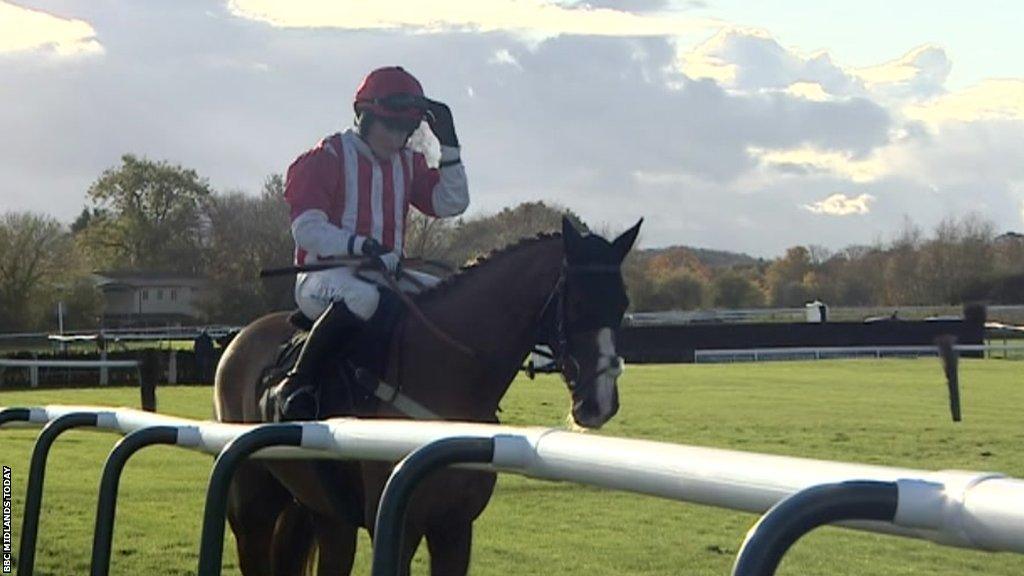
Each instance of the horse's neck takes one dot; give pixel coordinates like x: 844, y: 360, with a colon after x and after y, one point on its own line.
x: 496, y: 313
x: 495, y: 307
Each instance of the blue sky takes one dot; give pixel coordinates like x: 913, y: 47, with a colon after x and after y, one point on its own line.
x: 749, y: 126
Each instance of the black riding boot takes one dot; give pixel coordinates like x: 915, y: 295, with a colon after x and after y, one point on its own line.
x: 295, y: 398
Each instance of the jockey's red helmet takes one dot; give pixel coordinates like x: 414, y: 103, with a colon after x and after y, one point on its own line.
x: 390, y: 92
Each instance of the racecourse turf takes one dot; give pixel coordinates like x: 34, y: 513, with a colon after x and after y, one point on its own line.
x: 890, y: 412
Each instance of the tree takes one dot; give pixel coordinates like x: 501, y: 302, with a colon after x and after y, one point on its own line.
x: 1009, y: 253
x: 38, y: 267
x: 427, y: 237
x: 785, y: 278
x: 247, y: 234
x: 902, y: 278
x: 676, y: 260
x: 961, y: 252
x: 732, y: 289
x: 146, y: 215
x: 473, y: 238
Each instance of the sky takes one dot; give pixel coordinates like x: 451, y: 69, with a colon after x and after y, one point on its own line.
x: 727, y: 124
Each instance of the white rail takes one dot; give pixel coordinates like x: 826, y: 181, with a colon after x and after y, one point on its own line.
x: 34, y: 365
x: 978, y: 510
x: 827, y: 352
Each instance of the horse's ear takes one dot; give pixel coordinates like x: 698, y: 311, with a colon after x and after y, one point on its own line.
x: 624, y: 243
x: 569, y: 234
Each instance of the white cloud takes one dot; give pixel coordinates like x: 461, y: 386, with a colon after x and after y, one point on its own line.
x: 535, y: 17
x: 751, y: 59
x: 809, y: 160
x: 503, y: 56
x: 633, y: 5
x: 989, y: 100
x: 808, y: 91
x: 610, y: 126
x: 926, y: 66
x: 23, y: 29
x: 840, y: 205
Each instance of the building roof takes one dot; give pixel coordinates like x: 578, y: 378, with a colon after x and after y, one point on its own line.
x: 145, y: 278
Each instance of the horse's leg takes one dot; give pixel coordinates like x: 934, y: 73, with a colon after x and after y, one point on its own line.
x: 337, y: 545
x: 450, y: 545
x: 294, y: 546
x: 410, y: 542
x: 255, y: 500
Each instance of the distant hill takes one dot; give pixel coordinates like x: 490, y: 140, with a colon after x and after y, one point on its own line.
x: 707, y: 257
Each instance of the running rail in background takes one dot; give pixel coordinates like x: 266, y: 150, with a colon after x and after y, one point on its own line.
x: 967, y: 509
x: 835, y: 352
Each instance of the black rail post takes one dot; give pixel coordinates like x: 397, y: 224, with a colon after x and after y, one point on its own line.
x: 211, y: 547
x: 36, y: 476
x: 149, y: 375
x: 106, y: 507
x: 950, y: 358
x: 780, y: 528
x: 14, y: 415
x: 390, y: 522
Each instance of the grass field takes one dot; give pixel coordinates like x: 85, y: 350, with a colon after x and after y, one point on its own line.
x: 891, y: 412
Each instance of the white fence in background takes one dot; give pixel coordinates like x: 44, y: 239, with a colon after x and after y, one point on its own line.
x: 33, y: 366
x: 837, y: 352
x: 835, y: 313
x: 979, y: 510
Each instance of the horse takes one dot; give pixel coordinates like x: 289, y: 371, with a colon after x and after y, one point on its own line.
x: 565, y: 290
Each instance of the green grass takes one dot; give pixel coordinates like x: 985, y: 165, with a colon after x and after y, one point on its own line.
x: 891, y: 412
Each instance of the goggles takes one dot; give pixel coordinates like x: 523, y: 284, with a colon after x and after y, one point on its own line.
x: 403, y: 102
x: 403, y: 125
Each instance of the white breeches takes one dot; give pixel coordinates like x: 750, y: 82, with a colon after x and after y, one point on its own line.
x: 314, y: 291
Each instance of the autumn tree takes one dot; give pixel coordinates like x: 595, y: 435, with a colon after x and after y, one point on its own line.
x: 785, y: 278
x: 733, y: 289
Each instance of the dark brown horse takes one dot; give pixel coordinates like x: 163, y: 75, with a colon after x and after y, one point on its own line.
x: 566, y: 291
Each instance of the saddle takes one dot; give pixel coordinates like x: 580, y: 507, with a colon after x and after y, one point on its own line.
x: 345, y: 386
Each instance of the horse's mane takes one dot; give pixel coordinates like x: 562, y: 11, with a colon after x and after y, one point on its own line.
x: 470, y: 269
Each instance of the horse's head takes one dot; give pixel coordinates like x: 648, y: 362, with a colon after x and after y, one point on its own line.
x: 591, y: 302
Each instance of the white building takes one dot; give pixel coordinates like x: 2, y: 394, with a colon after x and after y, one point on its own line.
x: 141, y: 298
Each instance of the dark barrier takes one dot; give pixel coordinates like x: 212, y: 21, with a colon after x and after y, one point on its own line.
x: 211, y: 546
x: 106, y: 507
x: 780, y: 528
x: 672, y: 344
x: 36, y: 477
x: 390, y: 523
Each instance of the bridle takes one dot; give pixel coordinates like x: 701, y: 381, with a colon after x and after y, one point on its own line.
x: 555, y: 329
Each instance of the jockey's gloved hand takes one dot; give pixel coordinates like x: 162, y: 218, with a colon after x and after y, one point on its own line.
x: 391, y: 261
x: 439, y: 118
x: 375, y: 250
x: 364, y: 246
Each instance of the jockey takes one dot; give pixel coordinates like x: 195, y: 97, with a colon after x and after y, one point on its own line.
x: 349, y: 196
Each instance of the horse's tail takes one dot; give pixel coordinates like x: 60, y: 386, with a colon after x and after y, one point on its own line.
x: 293, y: 545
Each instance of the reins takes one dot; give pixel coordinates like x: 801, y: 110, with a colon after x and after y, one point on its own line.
x: 392, y: 283
x: 415, y: 311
